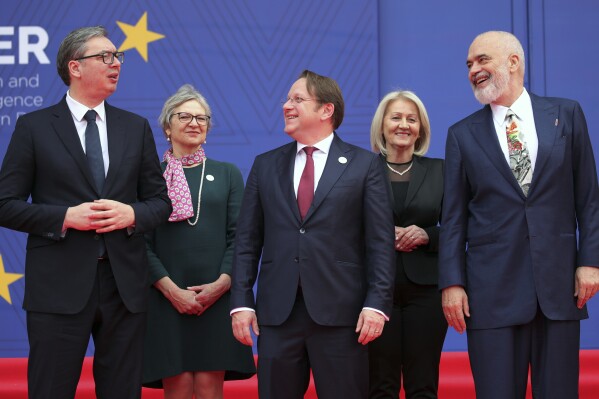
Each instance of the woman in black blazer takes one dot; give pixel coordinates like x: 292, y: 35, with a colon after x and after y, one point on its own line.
x: 411, y: 343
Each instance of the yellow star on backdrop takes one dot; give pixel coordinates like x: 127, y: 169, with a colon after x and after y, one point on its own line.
x: 138, y: 36
x: 6, y: 279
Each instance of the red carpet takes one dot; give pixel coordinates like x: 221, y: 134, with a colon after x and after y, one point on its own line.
x: 455, y: 380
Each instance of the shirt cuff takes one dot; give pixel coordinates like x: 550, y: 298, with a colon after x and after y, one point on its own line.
x: 240, y: 310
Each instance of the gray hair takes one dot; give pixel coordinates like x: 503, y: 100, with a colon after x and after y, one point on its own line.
x: 74, y: 46
x: 185, y: 93
x: 377, y: 138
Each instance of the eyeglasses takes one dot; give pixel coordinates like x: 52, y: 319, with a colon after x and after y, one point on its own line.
x: 185, y: 117
x: 295, y: 100
x: 107, y: 57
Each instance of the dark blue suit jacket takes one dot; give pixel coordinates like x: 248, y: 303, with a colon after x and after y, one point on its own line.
x: 45, y: 160
x: 510, y: 252
x: 342, y: 251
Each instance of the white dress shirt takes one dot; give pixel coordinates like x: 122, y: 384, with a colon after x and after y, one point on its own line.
x: 320, y: 159
x: 78, y: 110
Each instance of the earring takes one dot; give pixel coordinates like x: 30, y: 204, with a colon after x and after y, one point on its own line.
x: 168, y: 138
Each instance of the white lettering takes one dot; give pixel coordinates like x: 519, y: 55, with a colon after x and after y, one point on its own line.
x: 6, y: 45
x: 37, y: 48
x: 32, y: 40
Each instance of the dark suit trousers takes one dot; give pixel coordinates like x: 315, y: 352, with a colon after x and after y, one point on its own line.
x: 58, y: 343
x: 500, y: 359
x: 286, y: 353
x: 410, y: 345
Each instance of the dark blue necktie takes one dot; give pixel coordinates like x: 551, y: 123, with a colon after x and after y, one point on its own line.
x: 93, y: 149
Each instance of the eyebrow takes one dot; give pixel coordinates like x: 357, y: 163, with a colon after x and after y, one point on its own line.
x: 477, y: 57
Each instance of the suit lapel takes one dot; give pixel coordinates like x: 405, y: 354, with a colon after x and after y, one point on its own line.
x: 483, y: 132
x: 65, y: 129
x: 117, y: 140
x: 286, y: 166
x: 333, y: 169
x: 545, y: 115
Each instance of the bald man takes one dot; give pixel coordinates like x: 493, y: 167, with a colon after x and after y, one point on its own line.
x: 519, y: 244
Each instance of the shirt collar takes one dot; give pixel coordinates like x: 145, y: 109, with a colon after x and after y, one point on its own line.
x: 323, y: 145
x: 78, y: 110
x: 522, y: 107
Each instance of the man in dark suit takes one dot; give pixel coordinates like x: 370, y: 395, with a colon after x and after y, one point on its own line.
x: 327, y: 267
x: 85, y: 269
x: 520, y: 183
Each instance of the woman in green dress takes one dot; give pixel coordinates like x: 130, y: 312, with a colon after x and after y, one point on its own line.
x: 189, y: 346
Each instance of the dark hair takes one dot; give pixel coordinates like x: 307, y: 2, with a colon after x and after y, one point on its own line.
x: 325, y: 90
x: 74, y: 46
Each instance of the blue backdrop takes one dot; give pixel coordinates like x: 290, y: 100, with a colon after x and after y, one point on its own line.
x: 243, y: 55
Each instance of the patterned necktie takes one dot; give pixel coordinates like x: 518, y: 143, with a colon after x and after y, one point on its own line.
x: 93, y: 149
x: 305, y: 190
x: 519, y: 157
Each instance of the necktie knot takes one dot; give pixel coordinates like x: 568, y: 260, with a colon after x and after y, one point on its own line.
x: 510, y: 115
x: 309, y: 150
x: 90, y: 116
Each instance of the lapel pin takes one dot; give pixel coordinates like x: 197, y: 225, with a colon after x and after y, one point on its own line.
x: 556, y: 121
x: 209, y: 177
x: 342, y: 160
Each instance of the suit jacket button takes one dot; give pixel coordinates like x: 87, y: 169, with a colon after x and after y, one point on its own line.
x: 296, y: 259
x: 302, y: 230
x: 96, y: 237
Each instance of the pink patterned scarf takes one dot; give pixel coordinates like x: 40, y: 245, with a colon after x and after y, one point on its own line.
x: 176, y: 183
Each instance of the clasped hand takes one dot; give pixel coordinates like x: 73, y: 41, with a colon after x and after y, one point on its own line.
x: 101, y: 215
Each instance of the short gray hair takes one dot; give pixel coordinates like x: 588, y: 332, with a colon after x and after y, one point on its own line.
x: 377, y: 138
x: 74, y: 46
x: 185, y: 93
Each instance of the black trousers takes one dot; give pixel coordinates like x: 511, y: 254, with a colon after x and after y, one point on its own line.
x: 286, y: 353
x: 58, y: 343
x: 410, y: 345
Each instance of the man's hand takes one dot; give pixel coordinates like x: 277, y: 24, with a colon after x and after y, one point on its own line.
x: 111, y: 215
x: 242, y: 321
x: 586, y: 284
x: 79, y: 217
x: 370, y: 326
x: 455, y: 307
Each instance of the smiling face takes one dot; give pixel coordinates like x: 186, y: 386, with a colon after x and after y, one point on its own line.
x: 186, y: 138
x: 307, y: 121
x: 492, y: 69
x: 401, y: 128
x: 92, y: 81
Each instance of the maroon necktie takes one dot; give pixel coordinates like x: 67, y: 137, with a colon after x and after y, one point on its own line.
x: 305, y: 190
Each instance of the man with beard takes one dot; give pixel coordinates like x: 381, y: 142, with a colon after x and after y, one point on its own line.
x: 520, y: 183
